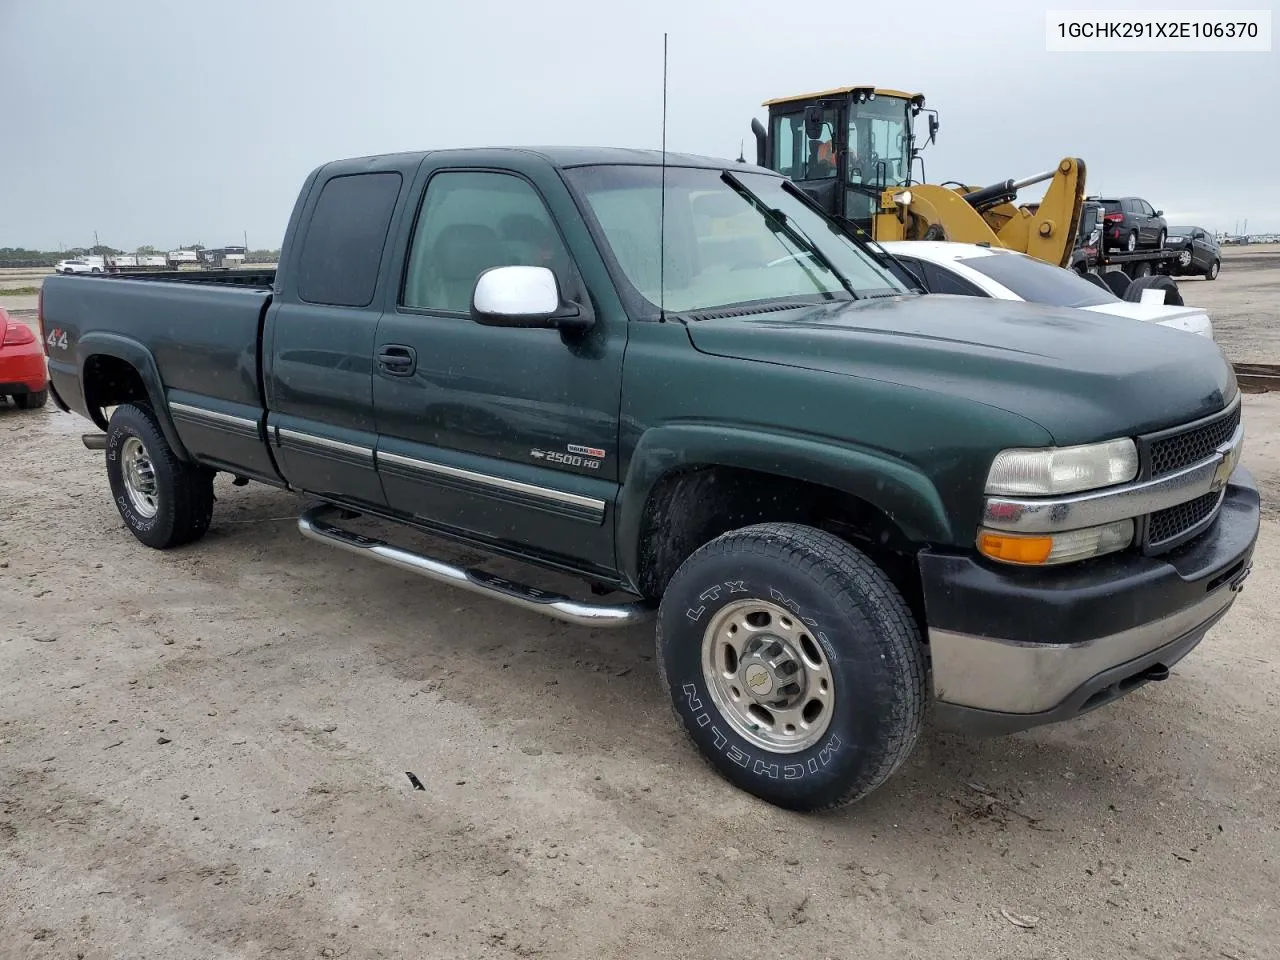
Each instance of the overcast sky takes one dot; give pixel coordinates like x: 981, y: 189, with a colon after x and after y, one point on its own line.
x: 196, y: 120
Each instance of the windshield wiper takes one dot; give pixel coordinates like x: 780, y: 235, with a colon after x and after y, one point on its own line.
x: 859, y: 236
x: 798, y: 236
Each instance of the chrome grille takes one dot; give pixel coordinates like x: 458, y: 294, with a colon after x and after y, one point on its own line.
x: 1171, y: 453
x: 1168, y: 525
x: 1176, y: 449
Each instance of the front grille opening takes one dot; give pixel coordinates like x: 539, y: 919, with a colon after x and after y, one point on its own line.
x: 1170, y: 454
x: 1169, y: 524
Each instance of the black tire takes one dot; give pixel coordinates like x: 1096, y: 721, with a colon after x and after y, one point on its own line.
x: 1131, y: 241
x: 1172, y: 296
x: 31, y: 401
x: 183, y: 491
x: 1094, y: 279
x: 1212, y: 272
x: 1117, y: 281
x: 1161, y: 240
x: 847, y: 610
x: 1139, y: 270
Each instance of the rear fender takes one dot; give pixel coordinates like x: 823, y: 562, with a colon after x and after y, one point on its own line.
x: 140, y: 358
x: 899, y: 490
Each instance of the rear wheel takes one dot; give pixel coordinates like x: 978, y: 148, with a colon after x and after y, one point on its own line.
x: 165, y: 502
x: 1131, y: 241
x: 794, y: 665
x: 1161, y: 239
x: 32, y: 400
x: 1212, y: 273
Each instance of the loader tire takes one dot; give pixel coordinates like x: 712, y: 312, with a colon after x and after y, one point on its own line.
x: 1172, y: 296
x: 1117, y: 281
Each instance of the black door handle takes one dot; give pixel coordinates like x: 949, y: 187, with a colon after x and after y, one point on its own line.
x: 398, y: 360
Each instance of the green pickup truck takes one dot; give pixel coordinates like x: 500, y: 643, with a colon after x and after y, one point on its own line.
x: 845, y: 504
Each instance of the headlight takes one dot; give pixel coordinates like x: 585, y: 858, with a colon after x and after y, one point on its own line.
x: 1042, y: 549
x: 1051, y: 471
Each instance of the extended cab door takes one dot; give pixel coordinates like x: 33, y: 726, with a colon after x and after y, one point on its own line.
x: 318, y: 339
x: 506, y: 435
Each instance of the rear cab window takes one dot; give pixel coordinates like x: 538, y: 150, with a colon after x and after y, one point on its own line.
x: 343, y: 243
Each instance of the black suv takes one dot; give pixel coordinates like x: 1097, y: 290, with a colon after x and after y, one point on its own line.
x: 1130, y: 222
x: 1198, y: 252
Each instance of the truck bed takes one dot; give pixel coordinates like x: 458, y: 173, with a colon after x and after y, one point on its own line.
x: 235, y: 278
x: 199, y: 339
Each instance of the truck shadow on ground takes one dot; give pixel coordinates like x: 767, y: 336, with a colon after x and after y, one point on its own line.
x: 596, y: 693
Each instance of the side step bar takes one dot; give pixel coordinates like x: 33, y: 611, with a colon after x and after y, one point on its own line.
x: 313, y: 524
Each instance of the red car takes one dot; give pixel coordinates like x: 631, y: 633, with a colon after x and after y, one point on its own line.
x: 23, y: 374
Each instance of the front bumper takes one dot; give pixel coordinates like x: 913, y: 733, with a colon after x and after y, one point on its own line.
x: 1015, y: 648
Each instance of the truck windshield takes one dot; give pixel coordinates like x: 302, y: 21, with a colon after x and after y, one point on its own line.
x: 724, y: 248
x: 1039, y: 282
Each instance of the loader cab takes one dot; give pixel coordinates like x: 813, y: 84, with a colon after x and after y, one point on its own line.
x: 844, y: 147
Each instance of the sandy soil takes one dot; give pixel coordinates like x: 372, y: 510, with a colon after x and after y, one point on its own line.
x: 204, y: 754
x: 1242, y: 302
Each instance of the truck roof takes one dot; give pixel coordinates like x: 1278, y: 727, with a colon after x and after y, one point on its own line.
x: 566, y: 156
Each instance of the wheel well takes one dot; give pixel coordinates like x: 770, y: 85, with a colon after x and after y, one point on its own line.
x: 692, y: 506
x: 109, y: 382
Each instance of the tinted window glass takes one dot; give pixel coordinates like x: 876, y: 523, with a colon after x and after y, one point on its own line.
x: 799, y: 159
x: 942, y: 280
x: 1040, y: 282
x: 343, y: 243
x: 911, y: 264
x: 1111, y: 206
x: 472, y: 221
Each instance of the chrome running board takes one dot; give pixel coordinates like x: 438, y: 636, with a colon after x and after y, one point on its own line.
x: 312, y: 523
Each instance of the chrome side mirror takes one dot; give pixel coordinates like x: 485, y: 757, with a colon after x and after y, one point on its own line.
x: 524, y: 296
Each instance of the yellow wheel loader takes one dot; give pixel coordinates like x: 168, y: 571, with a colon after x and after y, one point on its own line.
x: 853, y: 149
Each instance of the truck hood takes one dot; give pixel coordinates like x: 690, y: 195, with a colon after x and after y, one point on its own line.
x: 1080, y: 375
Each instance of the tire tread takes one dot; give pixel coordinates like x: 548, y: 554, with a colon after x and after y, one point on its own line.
x: 853, y: 580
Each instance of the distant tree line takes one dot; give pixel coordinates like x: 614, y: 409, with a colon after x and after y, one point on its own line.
x: 22, y: 257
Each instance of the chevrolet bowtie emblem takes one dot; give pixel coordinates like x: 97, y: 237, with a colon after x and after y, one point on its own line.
x: 1225, y: 467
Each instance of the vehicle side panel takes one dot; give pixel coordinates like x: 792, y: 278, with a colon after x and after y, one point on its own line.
x: 195, y: 347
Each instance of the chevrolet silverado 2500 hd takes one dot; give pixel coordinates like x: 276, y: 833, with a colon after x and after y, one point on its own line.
x: 840, y: 500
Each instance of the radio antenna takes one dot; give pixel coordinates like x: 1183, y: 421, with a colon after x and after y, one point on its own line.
x: 662, y: 208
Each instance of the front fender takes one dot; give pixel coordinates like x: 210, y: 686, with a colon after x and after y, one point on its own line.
x: 895, y: 487
x: 141, y: 359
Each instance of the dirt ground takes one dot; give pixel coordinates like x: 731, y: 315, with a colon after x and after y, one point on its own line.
x: 204, y: 754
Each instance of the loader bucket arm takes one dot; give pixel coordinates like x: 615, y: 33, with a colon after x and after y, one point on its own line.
x: 1049, y: 232
x: 934, y: 213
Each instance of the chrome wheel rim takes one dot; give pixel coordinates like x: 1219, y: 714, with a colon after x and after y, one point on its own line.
x: 139, y: 477
x: 768, y: 676
x: 1184, y: 258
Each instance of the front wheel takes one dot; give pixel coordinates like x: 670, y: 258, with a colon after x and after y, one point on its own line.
x: 794, y: 665
x: 165, y: 502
